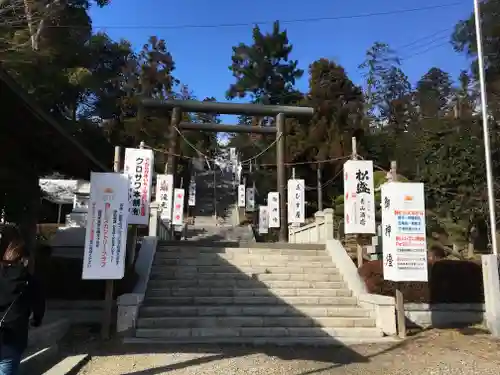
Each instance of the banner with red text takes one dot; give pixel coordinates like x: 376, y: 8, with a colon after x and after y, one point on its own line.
x: 404, y: 242
x: 139, y: 167
x: 106, y: 232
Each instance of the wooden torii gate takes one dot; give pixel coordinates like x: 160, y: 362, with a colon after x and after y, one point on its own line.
x: 280, y: 112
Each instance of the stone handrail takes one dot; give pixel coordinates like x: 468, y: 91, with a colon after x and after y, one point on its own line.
x: 382, y: 308
x: 129, y: 303
x: 157, y: 227
x: 319, y: 231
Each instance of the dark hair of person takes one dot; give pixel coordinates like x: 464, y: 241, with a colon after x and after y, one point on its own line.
x: 12, y: 247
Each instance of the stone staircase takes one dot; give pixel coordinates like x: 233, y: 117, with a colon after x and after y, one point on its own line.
x: 254, y: 294
x: 210, y: 202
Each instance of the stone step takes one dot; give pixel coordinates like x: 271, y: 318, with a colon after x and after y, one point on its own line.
x: 253, y: 332
x: 250, y: 276
x: 229, y: 268
x: 342, y: 291
x: 257, y: 341
x: 208, y: 259
x: 195, y: 251
x: 254, y: 321
x: 261, y: 311
x: 267, y: 300
x: 243, y: 283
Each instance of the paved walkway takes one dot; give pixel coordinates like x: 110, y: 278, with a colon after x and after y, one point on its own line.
x: 433, y: 352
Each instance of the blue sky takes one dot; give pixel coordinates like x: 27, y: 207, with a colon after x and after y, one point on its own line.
x: 202, y: 55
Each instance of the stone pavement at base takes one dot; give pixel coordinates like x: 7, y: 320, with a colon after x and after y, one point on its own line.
x: 431, y: 352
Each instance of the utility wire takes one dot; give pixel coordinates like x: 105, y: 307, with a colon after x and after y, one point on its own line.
x: 263, y: 22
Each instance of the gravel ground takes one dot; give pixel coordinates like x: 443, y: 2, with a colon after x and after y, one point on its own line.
x: 468, y: 351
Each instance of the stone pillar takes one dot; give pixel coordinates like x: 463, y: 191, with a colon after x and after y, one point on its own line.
x: 319, y: 217
x: 153, y: 219
x: 491, y: 283
x: 328, y: 227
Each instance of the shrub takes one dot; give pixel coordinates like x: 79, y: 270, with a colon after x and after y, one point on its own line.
x: 450, y: 281
x: 62, y: 279
x: 48, y: 230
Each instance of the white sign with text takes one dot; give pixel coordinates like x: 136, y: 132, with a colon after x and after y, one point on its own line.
x: 164, y: 194
x: 273, y: 206
x: 403, y: 231
x: 359, y: 197
x: 263, y: 220
x: 178, y: 211
x: 138, y: 165
x: 250, y: 200
x: 241, y: 196
x: 296, y: 201
x: 106, y: 231
x: 192, y: 193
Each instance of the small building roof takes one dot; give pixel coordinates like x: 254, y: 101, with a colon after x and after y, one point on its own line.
x: 63, y: 191
x: 32, y: 133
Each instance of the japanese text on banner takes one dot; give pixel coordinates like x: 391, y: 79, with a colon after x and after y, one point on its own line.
x: 250, y: 200
x: 138, y: 166
x: 241, y: 196
x: 192, y: 193
x: 359, y: 197
x: 164, y: 192
x: 296, y: 201
x: 106, y: 231
x: 263, y: 220
x: 273, y: 206
x: 178, y: 211
x: 403, y: 232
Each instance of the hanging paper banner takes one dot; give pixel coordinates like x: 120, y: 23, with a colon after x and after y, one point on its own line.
x: 273, y: 205
x: 106, y: 230
x: 296, y: 201
x: 263, y: 220
x: 178, y: 211
x: 403, y: 231
x: 138, y: 166
x: 164, y: 193
x: 192, y: 192
x: 238, y: 172
x: 250, y: 200
x: 359, y: 198
x: 241, y: 196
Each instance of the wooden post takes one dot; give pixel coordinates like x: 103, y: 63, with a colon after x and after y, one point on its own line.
x: 359, y: 247
x: 171, y: 165
x: 110, y: 284
x: 280, y: 161
x: 320, y: 188
x: 400, y: 305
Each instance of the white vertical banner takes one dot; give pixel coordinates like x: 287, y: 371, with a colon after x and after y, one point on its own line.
x: 106, y: 230
x: 263, y: 220
x: 403, y: 231
x: 296, y: 201
x: 250, y: 200
x: 273, y: 206
x: 164, y: 193
x: 238, y: 172
x: 241, y: 196
x: 192, y: 192
x: 232, y: 156
x: 359, y: 198
x: 138, y: 165
x: 178, y: 211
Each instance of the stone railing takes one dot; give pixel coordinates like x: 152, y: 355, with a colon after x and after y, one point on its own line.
x: 382, y: 308
x: 129, y: 303
x: 319, y: 231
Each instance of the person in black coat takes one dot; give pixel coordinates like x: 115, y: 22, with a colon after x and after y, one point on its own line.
x: 20, y: 296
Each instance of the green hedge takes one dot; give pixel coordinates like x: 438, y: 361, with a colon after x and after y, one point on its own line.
x: 450, y: 281
x: 62, y: 279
